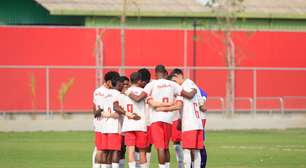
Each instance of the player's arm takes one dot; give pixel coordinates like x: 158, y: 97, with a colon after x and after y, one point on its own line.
x: 136, y: 98
x: 154, y: 103
x: 119, y: 110
x: 189, y: 95
x: 178, y: 105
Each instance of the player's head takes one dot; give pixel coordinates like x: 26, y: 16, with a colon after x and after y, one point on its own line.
x: 160, y: 71
x: 177, y: 76
x: 135, y: 78
x: 111, y: 78
x: 145, y: 76
x: 120, y: 83
x: 125, y: 82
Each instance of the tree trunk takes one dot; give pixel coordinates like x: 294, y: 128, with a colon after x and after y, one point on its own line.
x: 99, y: 58
x: 230, y: 81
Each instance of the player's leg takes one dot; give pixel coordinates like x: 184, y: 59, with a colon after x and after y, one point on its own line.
x: 176, y: 138
x: 130, y: 143
x: 179, y: 154
x: 115, y: 158
x: 203, y: 151
x: 197, y: 158
x: 149, y: 149
x: 142, y: 145
x: 104, y: 159
x: 122, y: 154
x: 198, y: 147
x: 148, y: 154
x: 187, y: 158
x: 131, y: 155
x: 167, y: 159
x: 203, y: 157
x: 114, y: 144
x: 97, y: 155
x: 143, y: 158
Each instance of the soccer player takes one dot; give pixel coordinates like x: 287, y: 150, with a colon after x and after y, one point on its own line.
x: 122, y: 84
x: 135, y: 131
x: 108, y: 140
x: 145, y: 79
x: 192, y: 127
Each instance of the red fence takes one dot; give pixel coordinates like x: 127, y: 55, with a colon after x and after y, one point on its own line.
x: 76, y: 46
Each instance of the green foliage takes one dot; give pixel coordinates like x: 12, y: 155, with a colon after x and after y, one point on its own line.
x: 64, y: 89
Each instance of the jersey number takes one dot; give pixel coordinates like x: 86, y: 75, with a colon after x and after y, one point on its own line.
x: 195, y: 105
x: 165, y: 100
x: 129, y: 108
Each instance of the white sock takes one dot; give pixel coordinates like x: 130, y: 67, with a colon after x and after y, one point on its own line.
x: 144, y: 165
x: 94, y: 156
x: 148, y: 155
x: 179, y: 155
x: 115, y: 165
x: 104, y: 165
x: 161, y: 166
x: 96, y: 165
x: 121, y: 163
x: 197, y: 158
x: 132, y: 164
x: 187, y: 158
x: 167, y: 164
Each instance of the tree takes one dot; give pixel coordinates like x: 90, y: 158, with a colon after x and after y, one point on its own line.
x: 63, y: 90
x: 227, y: 12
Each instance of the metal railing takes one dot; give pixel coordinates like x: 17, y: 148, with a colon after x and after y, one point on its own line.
x: 251, y: 100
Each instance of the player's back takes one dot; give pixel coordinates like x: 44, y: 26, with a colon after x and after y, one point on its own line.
x: 132, y: 106
x: 164, y: 91
x: 98, y: 102
x: 110, y: 125
x: 190, y: 114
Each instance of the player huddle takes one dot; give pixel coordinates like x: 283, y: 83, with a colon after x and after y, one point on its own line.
x: 138, y: 113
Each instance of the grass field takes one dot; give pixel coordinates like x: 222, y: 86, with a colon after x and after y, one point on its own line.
x: 226, y: 149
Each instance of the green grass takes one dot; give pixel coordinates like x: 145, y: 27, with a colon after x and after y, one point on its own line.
x: 226, y: 149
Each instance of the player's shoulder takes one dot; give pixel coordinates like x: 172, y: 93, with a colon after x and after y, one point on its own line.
x: 100, y: 90
x: 114, y: 91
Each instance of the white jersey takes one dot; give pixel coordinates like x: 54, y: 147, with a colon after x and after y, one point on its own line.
x: 98, y: 101
x: 164, y: 91
x: 190, y: 113
x: 109, y: 125
x: 132, y: 106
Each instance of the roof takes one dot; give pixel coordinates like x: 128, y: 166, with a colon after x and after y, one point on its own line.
x: 173, y: 8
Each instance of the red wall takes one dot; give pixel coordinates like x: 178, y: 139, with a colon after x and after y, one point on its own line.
x: 76, y: 46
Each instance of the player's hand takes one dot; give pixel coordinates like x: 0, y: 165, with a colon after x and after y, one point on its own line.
x: 136, y: 116
x: 133, y: 116
x: 98, y: 112
x: 129, y: 115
